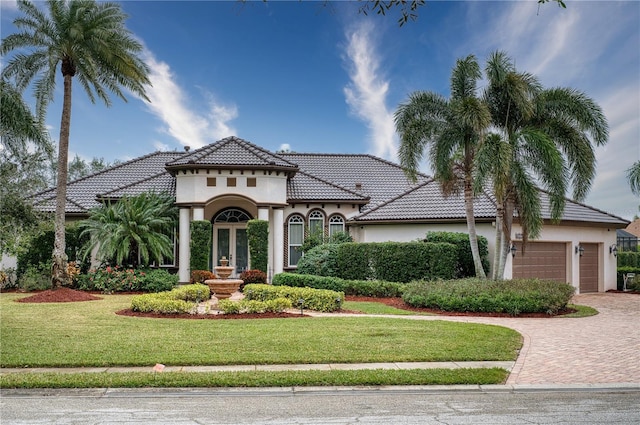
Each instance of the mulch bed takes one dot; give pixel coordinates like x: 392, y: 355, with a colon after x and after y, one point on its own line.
x: 71, y: 295
x: 60, y: 295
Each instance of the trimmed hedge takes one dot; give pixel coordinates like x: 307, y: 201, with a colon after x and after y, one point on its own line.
x: 476, y: 295
x: 179, y: 300
x: 366, y: 288
x: 321, y: 260
x: 322, y: 300
x: 465, y: 266
x: 277, y: 305
x: 200, y: 245
x: 396, y: 261
x: 628, y: 259
x: 258, y: 236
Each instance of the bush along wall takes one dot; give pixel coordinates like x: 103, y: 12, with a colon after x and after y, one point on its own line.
x: 396, y: 261
x: 200, y: 245
x: 258, y: 235
x: 465, y: 266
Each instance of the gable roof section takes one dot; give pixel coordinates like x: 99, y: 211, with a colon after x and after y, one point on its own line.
x: 379, y: 180
x: 232, y: 152
x: 427, y: 203
x: 304, y: 187
x: 161, y: 182
x: 82, y: 194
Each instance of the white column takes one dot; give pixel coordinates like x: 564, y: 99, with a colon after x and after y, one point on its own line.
x: 183, y: 248
x: 263, y: 213
x: 278, y: 240
x: 198, y: 213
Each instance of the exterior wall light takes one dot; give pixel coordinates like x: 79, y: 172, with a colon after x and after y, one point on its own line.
x: 613, y: 249
x: 513, y: 249
x: 579, y: 249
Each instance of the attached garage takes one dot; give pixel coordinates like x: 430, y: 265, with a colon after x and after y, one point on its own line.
x: 543, y: 260
x: 589, y: 271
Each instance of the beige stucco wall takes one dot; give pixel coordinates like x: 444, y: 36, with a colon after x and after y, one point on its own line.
x: 572, y: 235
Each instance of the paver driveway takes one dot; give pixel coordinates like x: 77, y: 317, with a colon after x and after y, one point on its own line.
x: 599, y: 349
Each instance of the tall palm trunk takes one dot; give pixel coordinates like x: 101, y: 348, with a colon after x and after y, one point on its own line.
x: 59, y: 272
x: 471, y: 227
x: 497, y: 255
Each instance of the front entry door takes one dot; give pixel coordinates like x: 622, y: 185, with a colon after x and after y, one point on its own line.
x: 230, y: 240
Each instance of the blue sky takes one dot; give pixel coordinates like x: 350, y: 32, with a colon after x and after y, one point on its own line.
x: 316, y: 77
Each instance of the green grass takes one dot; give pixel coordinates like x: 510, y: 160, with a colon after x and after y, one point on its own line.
x: 255, y: 379
x: 90, y: 334
x: 582, y: 311
x: 377, y: 308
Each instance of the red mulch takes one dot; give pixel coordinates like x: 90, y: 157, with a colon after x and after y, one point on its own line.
x: 60, y: 295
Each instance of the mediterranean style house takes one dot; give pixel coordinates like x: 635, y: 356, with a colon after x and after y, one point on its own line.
x: 232, y: 181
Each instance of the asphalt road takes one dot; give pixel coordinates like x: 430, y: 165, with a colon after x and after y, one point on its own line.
x: 386, y: 405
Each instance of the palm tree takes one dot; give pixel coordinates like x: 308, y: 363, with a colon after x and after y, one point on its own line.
x: 544, y: 138
x: 89, y: 41
x: 451, y: 129
x: 133, y: 230
x: 633, y: 175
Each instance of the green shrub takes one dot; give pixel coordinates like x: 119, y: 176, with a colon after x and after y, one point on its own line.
x: 156, y: 280
x: 161, y: 302
x: 277, y: 305
x: 39, y: 248
x: 367, y: 288
x: 35, y: 278
x: 199, y: 276
x: 196, y: 292
x: 476, y: 295
x: 628, y: 259
x: 258, y: 237
x: 465, y: 266
x: 396, y: 261
x: 321, y: 260
x: 311, y: 299
x: 115, y: 279
x: 200, y: 245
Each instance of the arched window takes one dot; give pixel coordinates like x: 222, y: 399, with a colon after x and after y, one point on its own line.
x: 316, y: 223
x: 232, y: 215
x: 336, y: 224
x: 296, y: 237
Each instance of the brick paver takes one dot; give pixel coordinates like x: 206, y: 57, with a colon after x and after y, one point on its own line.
x: 604, y: 348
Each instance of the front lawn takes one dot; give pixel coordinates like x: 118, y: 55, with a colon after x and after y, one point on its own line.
x: 90, y: 334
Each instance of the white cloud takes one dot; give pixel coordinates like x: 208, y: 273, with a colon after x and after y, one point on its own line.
x: 170, y: 103
x: 285, y: 147
x: 9, y: 4
x: 162, y: 147
x: 367, y: 91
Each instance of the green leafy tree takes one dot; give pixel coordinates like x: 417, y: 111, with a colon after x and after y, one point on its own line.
x: 451, y: 130
x: 89, y: 41
x: 132, y: 231
x: 544, y: 138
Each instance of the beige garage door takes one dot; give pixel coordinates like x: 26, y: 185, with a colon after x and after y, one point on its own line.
x: 589, y: 268
x: 543, y: 260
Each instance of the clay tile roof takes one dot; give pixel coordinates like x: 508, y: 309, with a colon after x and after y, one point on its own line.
x: 305, y: 187
x: 82, y: 193
x: 232, y: 152
x: 427, y: 202
x: 375, y: 178
x: 159, y: 183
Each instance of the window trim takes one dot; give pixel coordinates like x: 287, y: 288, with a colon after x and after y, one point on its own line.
x: 296, y: 220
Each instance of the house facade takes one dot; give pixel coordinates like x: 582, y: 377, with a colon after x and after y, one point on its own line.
x: 232, y: 181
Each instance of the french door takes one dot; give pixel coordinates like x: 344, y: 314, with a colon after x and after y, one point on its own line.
x: 230, y: 240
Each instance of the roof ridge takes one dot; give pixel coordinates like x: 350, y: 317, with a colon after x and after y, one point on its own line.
x: 353, y: 192
x: 262, y: 150
x: 406, y: 192
x: 146, y: 179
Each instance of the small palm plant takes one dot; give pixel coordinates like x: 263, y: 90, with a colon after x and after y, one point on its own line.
x: 134, y: 229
